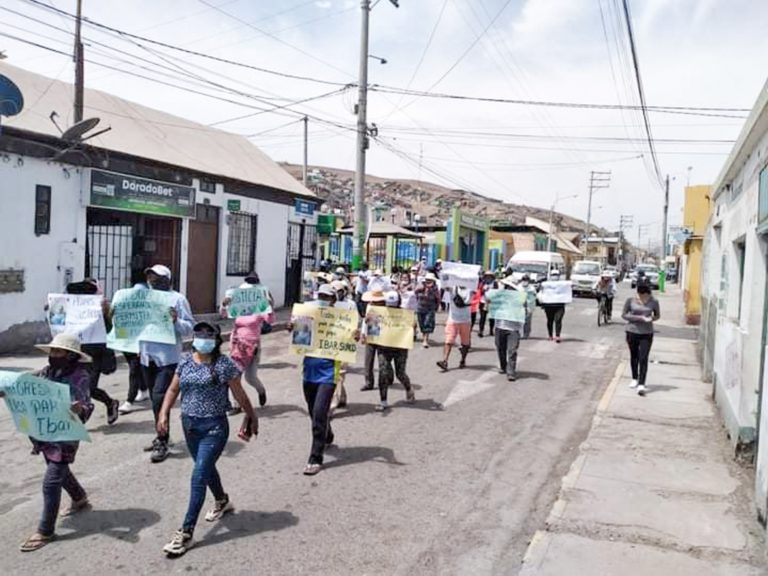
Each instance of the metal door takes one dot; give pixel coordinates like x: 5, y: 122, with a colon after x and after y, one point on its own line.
x: 202, y: 263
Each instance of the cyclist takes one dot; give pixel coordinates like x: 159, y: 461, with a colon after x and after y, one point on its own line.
x: 606, y: 288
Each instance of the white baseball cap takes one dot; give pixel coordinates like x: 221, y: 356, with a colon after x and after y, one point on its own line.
x: 160, y: 270
x: 392, y: 298
x: 326, y: 290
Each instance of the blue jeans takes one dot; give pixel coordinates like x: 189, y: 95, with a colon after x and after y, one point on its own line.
x: 206, y: 438
x: 57, y: 476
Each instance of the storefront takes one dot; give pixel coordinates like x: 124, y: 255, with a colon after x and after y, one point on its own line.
x: 467, y: 238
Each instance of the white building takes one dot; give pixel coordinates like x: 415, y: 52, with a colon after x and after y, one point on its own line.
x: 734, y: 303
x: 154, y: 189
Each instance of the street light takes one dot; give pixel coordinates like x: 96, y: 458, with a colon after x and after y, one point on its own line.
x: 379, y: 58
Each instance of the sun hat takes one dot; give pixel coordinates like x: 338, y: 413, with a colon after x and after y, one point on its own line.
x: 326, y: 290
x: 68, y: 342
x: 430, y: 277
x: 339, y: 285
x: 392, y: 298
x: 160, y: 270
x: 374, y: 296
x: 341, y: 270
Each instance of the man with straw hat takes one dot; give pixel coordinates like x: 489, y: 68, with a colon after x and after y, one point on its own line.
x: 427, y: 303
x: 66, y: 365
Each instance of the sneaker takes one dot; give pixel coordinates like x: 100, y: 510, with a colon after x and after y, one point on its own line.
x: 262, y: 398
x: 159, y: 452
x: 113, y: 412
x: 511, y: 377
x: 641, y: 390
x: 181, y: 541
x: 480, y: 334
x: 126, y: 408
x: 462, y: 364
x: 151, y: 447
x: 382, y: 407
x: 502, y: 370
x: 410, y: 396
x: 557, y: 339
x: 443, y: 365
x: 220, y: 508
x: 633, y: 384
x: 142, y: 396
x: 425, y: 344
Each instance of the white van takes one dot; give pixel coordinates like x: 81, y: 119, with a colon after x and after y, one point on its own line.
x: 584, y: 276
x: 536, y: 264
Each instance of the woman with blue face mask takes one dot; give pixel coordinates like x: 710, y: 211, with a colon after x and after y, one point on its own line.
x: 204, y: 379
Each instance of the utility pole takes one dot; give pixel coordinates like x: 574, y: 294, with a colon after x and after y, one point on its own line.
x: 597, y: 180
x: 79, y: 67
x: 664, y: 223
x: 625, y: 221
x: 306, y: 151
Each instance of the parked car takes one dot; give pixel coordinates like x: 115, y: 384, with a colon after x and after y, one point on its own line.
x: 536, y: 264
x: 584, y: 276
x: 651, y: 272
x: 613, y: 271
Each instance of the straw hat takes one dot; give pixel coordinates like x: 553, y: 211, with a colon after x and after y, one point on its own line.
x: 374, y: 296
x: 430, y: 276
x: 339, y: 285
x: 326, y: 290
x: 68, y: 342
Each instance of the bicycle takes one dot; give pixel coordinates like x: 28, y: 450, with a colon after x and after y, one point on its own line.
x: 602, y: 310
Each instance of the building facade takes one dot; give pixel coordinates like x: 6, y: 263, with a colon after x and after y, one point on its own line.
x: 696, y: 212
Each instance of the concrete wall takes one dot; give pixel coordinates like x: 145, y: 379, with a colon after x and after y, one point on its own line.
x: 48, y: 260
x: 691, y: 280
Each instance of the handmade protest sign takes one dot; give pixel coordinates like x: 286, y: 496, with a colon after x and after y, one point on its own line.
x: 556, y: 292
x: 41, y: 408
x: 324, y: 332
x: 248, y: 301
x: 77, y: 314
x: 141, y: 314
x: 461, y: 275
x: 507, y: 305
x: 391, y: 327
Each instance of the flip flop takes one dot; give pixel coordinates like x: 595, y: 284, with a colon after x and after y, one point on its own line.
x: 35, y: 542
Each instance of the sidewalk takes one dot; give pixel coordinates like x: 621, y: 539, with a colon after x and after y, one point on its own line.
x: 654, y: 490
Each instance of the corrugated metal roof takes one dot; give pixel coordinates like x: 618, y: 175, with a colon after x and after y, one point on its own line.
x: 147, y: 133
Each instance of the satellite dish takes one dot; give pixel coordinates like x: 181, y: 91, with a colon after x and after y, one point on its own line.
x: 11, y: 100
x: 76, y: 132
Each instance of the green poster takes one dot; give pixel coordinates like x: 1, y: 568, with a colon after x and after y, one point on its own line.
x: 248, y: 301
x: 507, y: 305
x: 141, y: 314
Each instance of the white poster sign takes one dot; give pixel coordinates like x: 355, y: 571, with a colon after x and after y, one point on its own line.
x: 560, y: 292
x: 462, y: 275
x: 77, y: 314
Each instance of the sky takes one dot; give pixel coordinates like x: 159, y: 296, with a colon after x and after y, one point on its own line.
x: 691, y: 53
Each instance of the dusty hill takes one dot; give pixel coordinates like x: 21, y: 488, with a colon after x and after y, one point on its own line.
x: 431, y: 202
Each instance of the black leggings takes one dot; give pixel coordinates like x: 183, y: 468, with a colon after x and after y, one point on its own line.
x: 639, y: 350
x: 555, y: 315
x: 483, y: 316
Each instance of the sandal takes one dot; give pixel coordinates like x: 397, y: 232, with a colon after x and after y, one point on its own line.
x: 35, y: 542
x: 76, y: 506
x: 312, y: 469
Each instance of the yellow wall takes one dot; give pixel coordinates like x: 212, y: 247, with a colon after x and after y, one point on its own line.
x: 692, y: 288
x: 696, y: 209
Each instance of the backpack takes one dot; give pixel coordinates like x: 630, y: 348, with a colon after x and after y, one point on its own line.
x: 458, y: 301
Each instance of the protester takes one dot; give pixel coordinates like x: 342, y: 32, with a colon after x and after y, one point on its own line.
x: 488, y: 282
x: 458, y: 326
x: 554, y: 312
x: 319, y: 380
x: 103, y: 359
x: 640, y: 313
x: 371, y: 298
x: 245, y: 340
x: 397, y: 356
x: 379, y: 282
x: 474, y: 303
x: 340, y: 275
x: 530, y: 292
x: 204, y: 379
x: 361, y: 287
x: 509, y: 332
x: 67, y: 364
x: 343, y: 302
x: 427, y: 302
x: 159, y: 361
x: 137, y: 388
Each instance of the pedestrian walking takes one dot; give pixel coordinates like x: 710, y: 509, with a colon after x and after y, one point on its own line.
x: 159, y: 361
x: 555, y: 311
x: 509, y: 329
x: 371, y: 298
x: 387, y: 357
x: 245, y: 340
x: 530, y: 292
x: 457, y: 327
x: 204, y: 379
x: 427, y: 303
x: 640, y: 312
x: 67, y: 364
x: 487, y: 282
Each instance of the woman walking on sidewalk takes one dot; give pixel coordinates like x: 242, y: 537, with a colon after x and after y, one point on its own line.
x: 204, y: 379
x: 640, y: 313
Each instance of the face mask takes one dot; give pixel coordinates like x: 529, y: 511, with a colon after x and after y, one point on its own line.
x: 63, y: 362
x: 525, y: 284
x: 323, y: 303
x: 203, y: 345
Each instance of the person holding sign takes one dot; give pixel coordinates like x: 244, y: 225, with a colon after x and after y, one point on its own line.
x: 508, y: 307
x: 458, y: 326
x: 553, y: 297
x: 159, y: 361
x: 66, y: 365
x: 204, y: 380
x: 427, y: 303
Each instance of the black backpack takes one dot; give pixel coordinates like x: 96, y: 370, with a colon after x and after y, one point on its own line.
x: 458, y: 301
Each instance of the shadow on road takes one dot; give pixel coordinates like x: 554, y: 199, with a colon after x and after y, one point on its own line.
x: 276, y: 410
x: 660, y: 388
x: 122, y: 524
x: 245, y: 523
x: 359, y: 454
x: 523, y: 375
x: 126, y: 427
x: 276, y: 365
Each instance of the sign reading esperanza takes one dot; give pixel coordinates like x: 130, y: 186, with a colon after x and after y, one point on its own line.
x: 134, y: 194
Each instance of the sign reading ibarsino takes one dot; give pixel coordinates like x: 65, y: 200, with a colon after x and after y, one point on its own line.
x: 125, y: 192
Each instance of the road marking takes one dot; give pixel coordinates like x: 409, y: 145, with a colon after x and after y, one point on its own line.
x: 468, y: 388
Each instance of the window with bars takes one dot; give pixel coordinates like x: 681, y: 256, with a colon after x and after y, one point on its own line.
x: 241, y: 248
x: 42, y: 210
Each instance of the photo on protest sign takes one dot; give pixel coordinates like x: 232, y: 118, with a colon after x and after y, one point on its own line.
x: 324, y: 332
x: 248, y: 301
x: 394, y: 327
x: 41, y: 409
x: 141, y: 315
x: 77, y: 314
x: 454, y: 274
x: 507, y: 305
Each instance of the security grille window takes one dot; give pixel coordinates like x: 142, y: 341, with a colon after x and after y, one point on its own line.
x: 42, y: 210
x: 241, y: 249
x: 206, y: 186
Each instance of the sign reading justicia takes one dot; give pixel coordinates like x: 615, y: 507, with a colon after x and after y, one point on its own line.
x: 134, y: 194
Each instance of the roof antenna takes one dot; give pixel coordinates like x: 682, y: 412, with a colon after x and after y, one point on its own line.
x: 75, y: 134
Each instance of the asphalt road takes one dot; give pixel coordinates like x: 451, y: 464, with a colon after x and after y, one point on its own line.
x: 456, y: 483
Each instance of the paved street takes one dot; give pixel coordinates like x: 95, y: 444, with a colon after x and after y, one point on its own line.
x: 455, y: 484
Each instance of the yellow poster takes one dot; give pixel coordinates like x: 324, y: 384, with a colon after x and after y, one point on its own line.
x: 391, y: 327
x: 324, y: 332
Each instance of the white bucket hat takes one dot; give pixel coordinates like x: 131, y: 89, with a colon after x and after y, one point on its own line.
x: 68, y: 342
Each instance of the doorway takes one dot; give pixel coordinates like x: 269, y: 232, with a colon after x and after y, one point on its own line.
x: 202, y: 266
